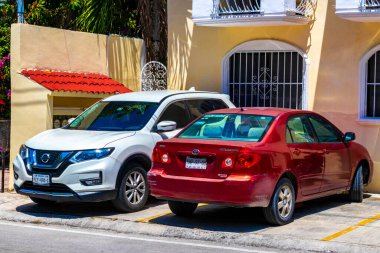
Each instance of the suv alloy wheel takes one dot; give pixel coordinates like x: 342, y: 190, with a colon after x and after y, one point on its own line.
x: 133, y: 190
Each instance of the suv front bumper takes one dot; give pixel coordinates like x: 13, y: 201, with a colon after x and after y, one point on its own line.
x: 68, y: 186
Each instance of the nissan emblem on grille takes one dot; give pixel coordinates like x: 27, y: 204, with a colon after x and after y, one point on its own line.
x: 195, y: 151
x: 45, y: 158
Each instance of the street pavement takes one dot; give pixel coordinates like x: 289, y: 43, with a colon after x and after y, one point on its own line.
x: 24, y: 238
x: 330, y: 224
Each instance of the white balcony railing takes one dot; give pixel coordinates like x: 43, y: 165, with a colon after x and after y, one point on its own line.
x: 236, y: 8
x: 359, y: 10
x: 252, y: 12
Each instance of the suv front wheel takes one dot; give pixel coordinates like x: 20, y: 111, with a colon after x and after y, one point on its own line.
x: 133, y: 189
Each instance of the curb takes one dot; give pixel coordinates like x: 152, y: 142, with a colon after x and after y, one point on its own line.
x: 226, y: 238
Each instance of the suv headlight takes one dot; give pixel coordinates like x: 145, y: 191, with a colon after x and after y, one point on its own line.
x: 23, y: 152
x: 86, y: 155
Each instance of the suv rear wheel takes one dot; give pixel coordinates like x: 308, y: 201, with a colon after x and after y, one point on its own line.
x: 133, y: 190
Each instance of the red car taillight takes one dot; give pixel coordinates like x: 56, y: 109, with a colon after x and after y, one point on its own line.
x: 246, y: 159
x: 161, y: 156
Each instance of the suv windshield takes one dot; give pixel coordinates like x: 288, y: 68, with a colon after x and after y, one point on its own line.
x: 115, y: 116
x: 242, y: 127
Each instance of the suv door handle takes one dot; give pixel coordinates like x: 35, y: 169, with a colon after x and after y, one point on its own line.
x: 296, y: 152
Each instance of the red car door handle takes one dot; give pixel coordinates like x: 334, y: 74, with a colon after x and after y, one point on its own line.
x: 326, y: 151
x: 296, y: 151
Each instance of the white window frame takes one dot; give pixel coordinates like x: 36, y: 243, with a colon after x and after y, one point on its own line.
x: 362, y: 119
x: 267, y: 45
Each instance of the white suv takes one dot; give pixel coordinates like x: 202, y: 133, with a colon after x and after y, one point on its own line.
x: 105, y: 153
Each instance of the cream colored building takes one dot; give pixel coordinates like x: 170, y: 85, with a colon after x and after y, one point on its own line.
x: 315, y: 55
x: 36, y: 106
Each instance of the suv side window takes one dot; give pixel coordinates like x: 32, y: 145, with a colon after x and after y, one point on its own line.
x: 197, y: 107
x: 177, y: 112
x: 325, y: 131
x: 299, y: 131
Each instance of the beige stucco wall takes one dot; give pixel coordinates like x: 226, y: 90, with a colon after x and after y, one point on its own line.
x: 334, y: 47
x: 35, y: 47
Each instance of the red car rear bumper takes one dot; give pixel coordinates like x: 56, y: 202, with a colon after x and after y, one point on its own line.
x: 239, y: 190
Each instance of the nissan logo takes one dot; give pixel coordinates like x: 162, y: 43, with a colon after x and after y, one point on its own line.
x: 195, y: 151
x: 45, y: 158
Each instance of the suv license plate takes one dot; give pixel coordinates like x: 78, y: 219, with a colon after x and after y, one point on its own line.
x: 196, y: 163
x: 39, y: 179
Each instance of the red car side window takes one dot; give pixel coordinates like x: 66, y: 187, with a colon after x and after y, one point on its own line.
x: 299, y: 131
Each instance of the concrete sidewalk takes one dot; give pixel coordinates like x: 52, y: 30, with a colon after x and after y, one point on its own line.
x: 330, y: 224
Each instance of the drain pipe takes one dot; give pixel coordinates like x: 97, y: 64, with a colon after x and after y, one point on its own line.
x: 20, y: 11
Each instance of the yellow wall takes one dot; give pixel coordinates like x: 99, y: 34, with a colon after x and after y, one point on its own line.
x: 334, y: 47
x: 44, y: 48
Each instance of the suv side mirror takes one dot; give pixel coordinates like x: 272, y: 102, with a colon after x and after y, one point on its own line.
x: 165, y: 126
x: 349, y: 136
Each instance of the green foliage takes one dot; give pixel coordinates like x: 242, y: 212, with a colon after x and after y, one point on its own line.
x: 53, y: 13
x: 7, y: 15
x: 133, y: 18
x: 109, y: 16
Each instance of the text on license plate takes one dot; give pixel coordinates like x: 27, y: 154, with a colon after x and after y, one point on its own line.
x: 196, y: 163
x: 41, y: 179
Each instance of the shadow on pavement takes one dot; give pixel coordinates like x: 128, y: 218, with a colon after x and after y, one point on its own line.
x: 209, y: 218
x: 72, y: 210
x: 244, y: 220
x: 217, y: 218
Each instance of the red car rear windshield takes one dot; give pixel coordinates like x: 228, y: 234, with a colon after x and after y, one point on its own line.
x: 239, y: 127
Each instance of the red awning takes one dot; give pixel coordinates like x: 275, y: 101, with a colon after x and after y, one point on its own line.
x: 78, y: 82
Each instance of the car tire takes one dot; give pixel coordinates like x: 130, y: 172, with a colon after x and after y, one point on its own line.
x: 183, y: 209
x: 133, y: 190
x: 356, y: 192
x: 43, y: 202
x: 284, y: 196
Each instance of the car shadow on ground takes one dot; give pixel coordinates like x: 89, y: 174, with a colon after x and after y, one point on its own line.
x: 209, y: 217
x: 244, y: 220
x: 72, y: 210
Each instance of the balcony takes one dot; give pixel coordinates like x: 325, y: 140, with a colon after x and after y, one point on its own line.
x: 252, y: 12
x: 359, y: 10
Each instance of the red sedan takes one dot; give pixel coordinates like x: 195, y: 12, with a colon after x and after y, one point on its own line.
x: 266, y: 157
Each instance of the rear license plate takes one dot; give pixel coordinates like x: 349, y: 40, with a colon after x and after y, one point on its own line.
x: 196, y: 163
x: 39, y: 179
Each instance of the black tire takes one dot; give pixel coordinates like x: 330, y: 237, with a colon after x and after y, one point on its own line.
x: 43, y: 202
x: 283, y: 215
x: 183, y: 209
x: 356, y: 191
x: 133, y: 190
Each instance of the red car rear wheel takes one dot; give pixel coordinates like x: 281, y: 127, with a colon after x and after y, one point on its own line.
x: 281, y: 208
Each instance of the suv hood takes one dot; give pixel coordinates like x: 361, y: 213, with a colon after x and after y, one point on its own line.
x: 66, y: 140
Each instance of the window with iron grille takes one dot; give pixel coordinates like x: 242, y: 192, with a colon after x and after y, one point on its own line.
x: 372, y: 94
x: 266, y: 79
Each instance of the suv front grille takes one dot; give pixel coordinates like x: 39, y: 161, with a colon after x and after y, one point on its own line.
x: 57, y: 188
x: 47, y: 162
x: 46, y: 158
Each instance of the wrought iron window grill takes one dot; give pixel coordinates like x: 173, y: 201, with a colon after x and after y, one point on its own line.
x: 153, y: 76
x: 266, y: 78
x: 372, y: 93
x: 370, y: 5
x: 242, y: 8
